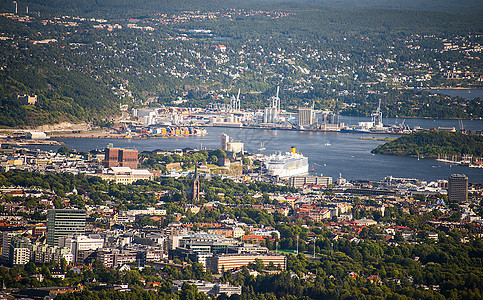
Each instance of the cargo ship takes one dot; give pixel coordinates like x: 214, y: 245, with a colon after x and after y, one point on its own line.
x: 286, y: 165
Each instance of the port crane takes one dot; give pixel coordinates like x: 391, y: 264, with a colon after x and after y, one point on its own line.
x: 235, y: 102
x: 377, y: 116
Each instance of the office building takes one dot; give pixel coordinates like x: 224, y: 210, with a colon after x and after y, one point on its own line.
x: 80, y: 244
x: 458, y: 187
x: 118, y: 157
x: 223, y: 262
x: 300, y: 181
x: 63, y: 223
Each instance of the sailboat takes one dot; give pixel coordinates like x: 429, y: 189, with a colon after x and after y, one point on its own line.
x: 261, y: 147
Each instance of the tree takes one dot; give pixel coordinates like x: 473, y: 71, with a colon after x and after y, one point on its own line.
x: 30, y: 267
x: 58, y: 203
x: 63, y: 150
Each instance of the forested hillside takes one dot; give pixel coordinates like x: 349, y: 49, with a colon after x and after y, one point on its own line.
x: 82, y: 68
x: 432, y: 143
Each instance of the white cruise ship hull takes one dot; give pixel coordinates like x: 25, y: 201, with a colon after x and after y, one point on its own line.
x: 290, y: 164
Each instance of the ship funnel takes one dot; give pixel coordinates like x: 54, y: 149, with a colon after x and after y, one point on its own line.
x: 292, y: 149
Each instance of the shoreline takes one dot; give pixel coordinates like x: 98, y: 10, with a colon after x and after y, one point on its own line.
x: 452, y: 88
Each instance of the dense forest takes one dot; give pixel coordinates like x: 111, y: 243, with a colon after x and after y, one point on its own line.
x: 125, y: 8
x: 433, y: 143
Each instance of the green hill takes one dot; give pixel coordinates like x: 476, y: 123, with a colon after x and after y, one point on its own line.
x: 62, y: 96
x: 82, y: 59
x: 432, y: 143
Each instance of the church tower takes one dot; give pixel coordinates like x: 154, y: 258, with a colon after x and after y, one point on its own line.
x: 195, y: 194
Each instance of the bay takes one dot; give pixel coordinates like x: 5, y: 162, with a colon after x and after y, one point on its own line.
x: 329, y: 153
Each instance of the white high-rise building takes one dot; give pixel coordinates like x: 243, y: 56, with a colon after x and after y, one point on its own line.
x: 225, y: 139
x: 20, y: 256
x: 6, y: 241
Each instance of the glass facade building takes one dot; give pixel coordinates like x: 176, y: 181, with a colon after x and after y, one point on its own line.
x: 65, y: 222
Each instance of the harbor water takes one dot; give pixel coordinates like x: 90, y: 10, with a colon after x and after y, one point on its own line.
x: 329, y: 153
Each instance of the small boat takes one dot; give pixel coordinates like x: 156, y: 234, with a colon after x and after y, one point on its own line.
x: 327, y: 144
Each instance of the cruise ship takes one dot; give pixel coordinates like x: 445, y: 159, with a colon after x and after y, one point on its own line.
x: 287, y: 165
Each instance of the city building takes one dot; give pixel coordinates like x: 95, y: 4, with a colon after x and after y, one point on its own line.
x: 236, y: 147
x: 118, y: 157
x: 226, y: 145
x: 42, y: 253
x: 27, y: 99
x: 300, y: 181
x: 63, y: 223
x: 330, y: 118
x: 81, y: 243
x: 234, y: 232
x: 125, y: 175
x: 19, y: 253
x: 115, y: 257
x: 207, y: 287
x: 458, y: 187
x: 271, y: 113
x: 6, y: 241
x: 223, y: 262
x: 151, y: 211
x: 225, y: 139
x: 312, y: 212
x: 306, y: 117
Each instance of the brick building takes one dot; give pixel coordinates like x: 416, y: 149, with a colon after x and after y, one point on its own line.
x: 118, y: 157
